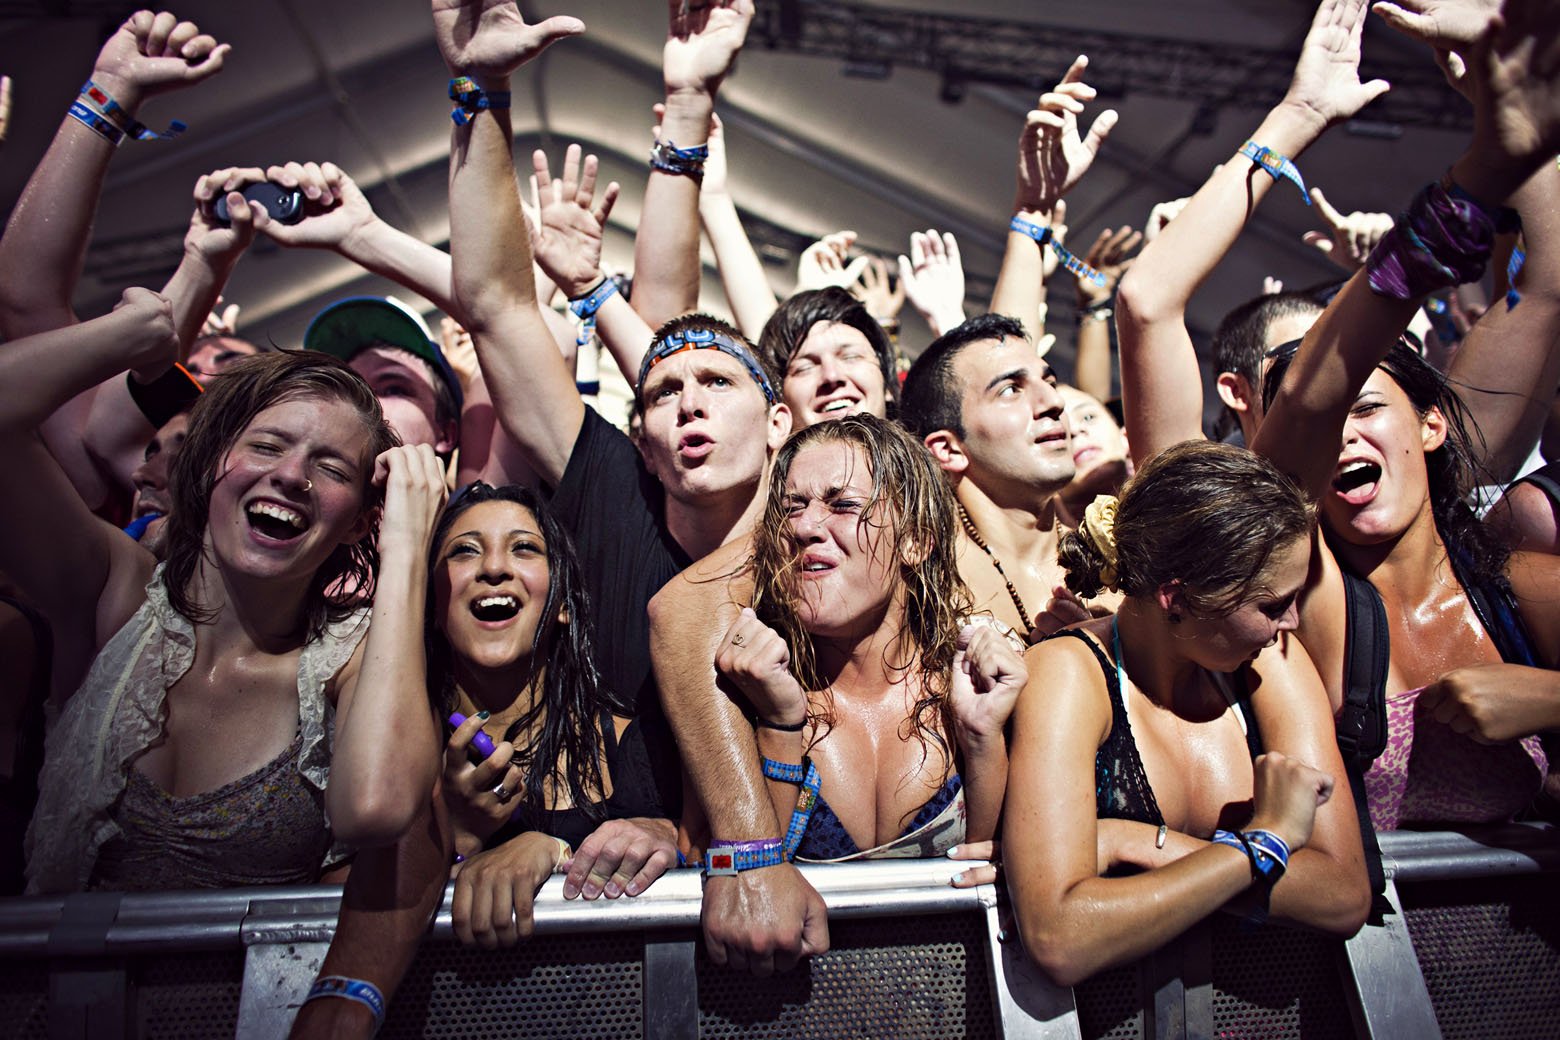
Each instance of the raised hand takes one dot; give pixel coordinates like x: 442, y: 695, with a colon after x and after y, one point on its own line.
x: 1326, y: 82
x: 1052, y: 156
x: 621, y: 857
x: 1348, y: 240
x: 1162, y: 214
x: 222, y: 321
x: 413, y: 479
x: 334, y: 208
x: 1515, y: 79
x: 495, y: 890
x: 144, y: 320
x: 5, y: 105
x: 754, y: 657
x: 154, y: 53
x: 1287, y: 793
x: 882, y: 297
x: 489, y: 39
x: 1110, y: 255
x: 1444, y: 24
x: 567, y: 240
x: 987, y: 677
x: 933, y: 277
x: 702, y: 42
x: 827, y: 262
x: 222, y: 244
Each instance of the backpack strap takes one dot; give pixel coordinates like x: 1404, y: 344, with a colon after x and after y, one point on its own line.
x: 1362, y: 722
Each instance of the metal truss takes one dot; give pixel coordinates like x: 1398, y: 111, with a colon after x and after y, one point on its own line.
x: 872, y: 41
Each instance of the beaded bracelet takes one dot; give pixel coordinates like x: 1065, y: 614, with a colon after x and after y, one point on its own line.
x: 683, y: 162
x: 1279, y: 167
x: 365, y: 993
x: 470, y: 99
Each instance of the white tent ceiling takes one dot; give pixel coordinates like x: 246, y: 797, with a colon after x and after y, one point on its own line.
x: 812, y: 149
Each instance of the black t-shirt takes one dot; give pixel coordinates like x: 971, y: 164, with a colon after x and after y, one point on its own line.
x: 614, y: 509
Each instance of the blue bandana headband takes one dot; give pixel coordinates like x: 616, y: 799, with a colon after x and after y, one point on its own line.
x: 704, y: 339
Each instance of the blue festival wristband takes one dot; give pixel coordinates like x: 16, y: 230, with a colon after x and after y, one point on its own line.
x: 97, y: 123
x: 585, y: 307
x: 730, y: 858
x: 365, y: 993
x: 1042, y: 236
x: 100, y: 100
x: 1279, y: 167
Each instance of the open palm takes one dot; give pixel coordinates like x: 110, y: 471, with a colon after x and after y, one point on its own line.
x: 490, y: 38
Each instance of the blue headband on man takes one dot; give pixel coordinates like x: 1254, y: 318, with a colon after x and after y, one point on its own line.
x: 704, y: 339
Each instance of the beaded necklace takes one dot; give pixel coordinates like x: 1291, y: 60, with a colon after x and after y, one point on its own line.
x: 969, y: 529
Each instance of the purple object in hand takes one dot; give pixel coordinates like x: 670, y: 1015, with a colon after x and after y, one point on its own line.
x: 481, y: 745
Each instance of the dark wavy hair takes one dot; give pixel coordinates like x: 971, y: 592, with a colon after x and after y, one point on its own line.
x: 568, y: 742
x: 1454, y: 469
x: 1208, y: 515
x: 911, y: 503
x: 789, y: 325
x: 219, y: 417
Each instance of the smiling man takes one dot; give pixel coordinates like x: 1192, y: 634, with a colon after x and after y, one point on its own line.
x: 989, y: 411
x: 833, y: 356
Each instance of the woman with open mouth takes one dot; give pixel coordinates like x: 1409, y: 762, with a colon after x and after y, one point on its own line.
x: 228, y: 702
x: 1438, y: 646
x: 510, y: 647
x: 1179, y: 756
x: 879, y: 710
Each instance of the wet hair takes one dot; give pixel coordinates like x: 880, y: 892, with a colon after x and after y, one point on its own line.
x: 218, y: 419
x: 932, y: 398
x: 1208, y: 515
x: 911, y: 504
x: 793, y: 320
x: 568, y: 742
x: 1454, y: 469
x: 1241, y: 338
x: 708, y: 323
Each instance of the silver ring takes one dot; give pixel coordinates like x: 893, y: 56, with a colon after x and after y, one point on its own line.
x: 502, y: 793
x: 308, y: 485
x: 736, y: 640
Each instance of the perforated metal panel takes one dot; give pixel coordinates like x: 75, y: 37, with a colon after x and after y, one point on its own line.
x: 184, y: 996
x: 909, y: 978
x: 566, y: 987
x: 1110, y: 1006
x: 1275, y: 982
x: 1492, y: 964
x: 24, y: 1000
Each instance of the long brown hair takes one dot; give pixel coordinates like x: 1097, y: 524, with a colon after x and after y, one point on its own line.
x: 223, y: 412
x: 911, y: 500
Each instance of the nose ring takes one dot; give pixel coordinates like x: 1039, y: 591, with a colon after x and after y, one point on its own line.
x: 308, y: 485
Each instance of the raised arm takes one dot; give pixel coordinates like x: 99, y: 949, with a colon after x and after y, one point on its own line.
x: 1161, y: 382
x: 1515, y: 74
x: 337, y: 216
x: 382, y: 695
x: 701, y: 45
x: 1052, y: 158
x: 495, y: 290
x: 1110, y: 255
x: 742, y: 274
x: 45, y: 242
x: 567, y: 237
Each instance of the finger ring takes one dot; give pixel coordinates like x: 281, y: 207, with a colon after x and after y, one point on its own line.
x: 736, y: 640
x: 502, y: 793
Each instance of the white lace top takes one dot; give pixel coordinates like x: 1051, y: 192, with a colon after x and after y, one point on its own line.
x: 120, y: 711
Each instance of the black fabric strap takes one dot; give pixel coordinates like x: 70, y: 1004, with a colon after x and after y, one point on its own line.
x: 166, y: 396
x: 1362, y: 724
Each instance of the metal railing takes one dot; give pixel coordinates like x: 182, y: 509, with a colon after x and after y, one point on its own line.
x: 912, y: 957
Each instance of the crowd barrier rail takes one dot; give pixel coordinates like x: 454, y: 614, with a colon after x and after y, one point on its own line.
x: 1471, y: 949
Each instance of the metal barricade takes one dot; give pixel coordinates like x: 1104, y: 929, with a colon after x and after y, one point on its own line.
x: 1472, y: 951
